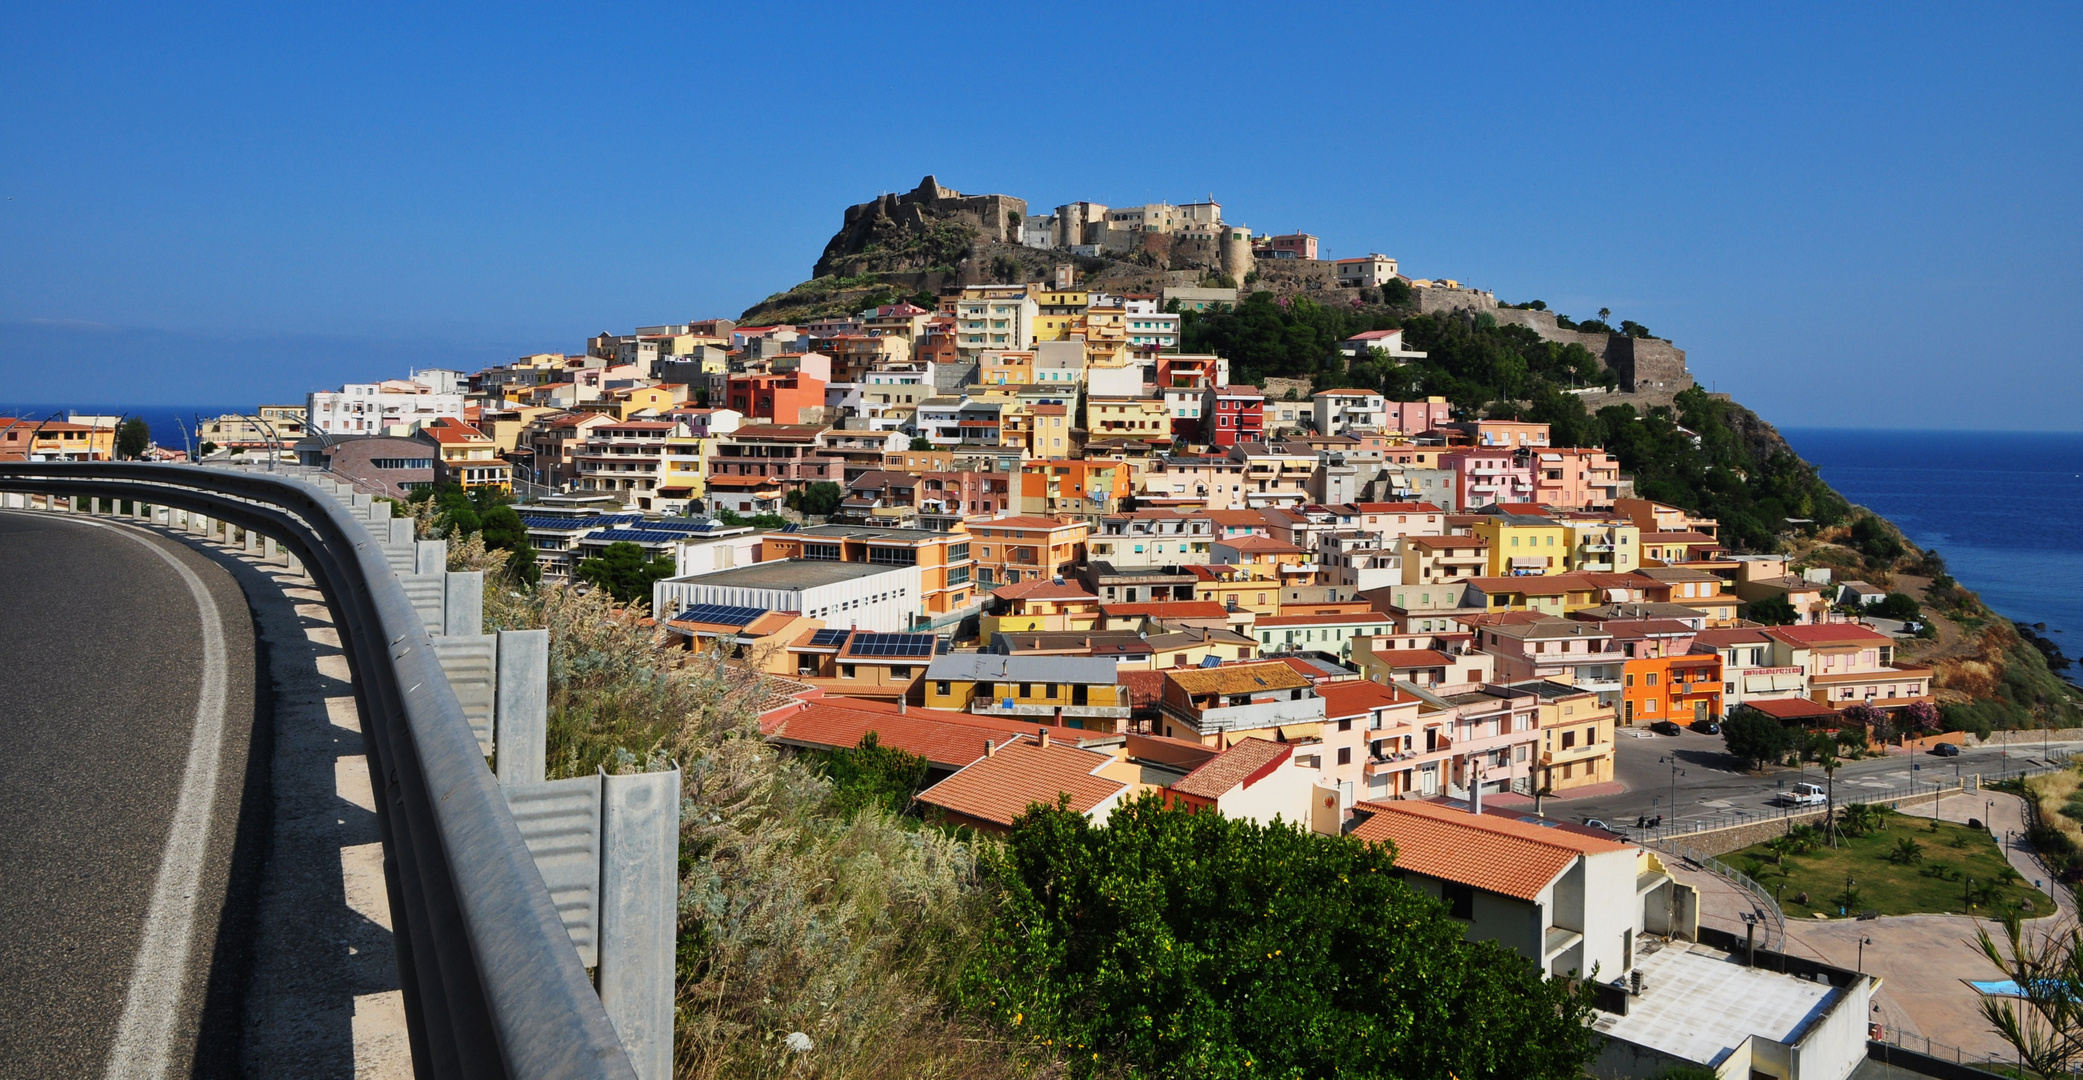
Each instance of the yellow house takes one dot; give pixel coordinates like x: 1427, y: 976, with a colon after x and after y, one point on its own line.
x: 1523, y: 544
x: 468, y: 457
x: 1005, y: 368
x: 23, y: 439
x: 1576, y: 736
x: 1250, y: 587
x: 655, y: 399
x: 1076, y: 691
x: 1128, y: 418
x: 1603, y: 546
x: 1055, y: 327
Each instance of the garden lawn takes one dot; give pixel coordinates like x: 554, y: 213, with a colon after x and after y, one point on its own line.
x: 1936, y: 883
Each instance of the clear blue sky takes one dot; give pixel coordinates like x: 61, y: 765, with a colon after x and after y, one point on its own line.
x: 1852, y: 217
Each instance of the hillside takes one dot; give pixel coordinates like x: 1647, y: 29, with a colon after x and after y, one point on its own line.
x: 1596, y: 384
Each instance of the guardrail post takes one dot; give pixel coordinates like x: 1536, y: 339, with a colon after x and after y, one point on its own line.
x: 267, y: 549
x: 523, y: 705
x: 430, y: 557
x: 639, y: 900
x: 463, y: 603
x: 249, y: 539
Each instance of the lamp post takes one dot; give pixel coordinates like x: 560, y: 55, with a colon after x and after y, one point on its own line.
x: 1863, y: 942
x: 1676, y: 772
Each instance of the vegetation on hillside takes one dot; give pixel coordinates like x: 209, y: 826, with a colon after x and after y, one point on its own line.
x: 833, y: 296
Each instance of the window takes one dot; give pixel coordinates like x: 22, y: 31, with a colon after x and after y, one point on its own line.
x: 1345, y: 755
x: 900, y: 672
x: 1460, y: 899
x: 823, y: 552
x: 846, y: 671
x: 942, y: 688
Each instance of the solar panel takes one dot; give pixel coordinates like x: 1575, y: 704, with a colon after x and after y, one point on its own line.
x: 892, y: 645
x: 720, y: 614
x: 547, y: 521
x: 828, y: 638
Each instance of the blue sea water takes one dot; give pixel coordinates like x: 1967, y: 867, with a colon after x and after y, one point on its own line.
x: 2004, y: 508
x: 167, y: 421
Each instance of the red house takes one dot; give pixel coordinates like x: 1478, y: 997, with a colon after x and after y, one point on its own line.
x: 777, y: 398
x: 1234, y: 414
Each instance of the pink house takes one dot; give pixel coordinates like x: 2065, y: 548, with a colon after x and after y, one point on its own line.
x: 1483, y: 477
x: 1574, y: 479
x: 1412, y: 417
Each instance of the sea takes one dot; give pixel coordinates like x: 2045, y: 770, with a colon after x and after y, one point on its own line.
x: 2005, y: 508
x: 173, y: 426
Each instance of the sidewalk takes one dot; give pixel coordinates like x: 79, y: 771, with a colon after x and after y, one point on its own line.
x: 1588, y: 791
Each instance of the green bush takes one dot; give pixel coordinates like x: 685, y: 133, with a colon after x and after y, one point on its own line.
x: 1178, y: 944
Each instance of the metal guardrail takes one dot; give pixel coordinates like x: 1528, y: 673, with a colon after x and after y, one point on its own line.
x: 492, y: 985
x: 1991, y: 1064
x: 1767, y: 908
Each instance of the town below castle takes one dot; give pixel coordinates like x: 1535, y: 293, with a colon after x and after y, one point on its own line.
x: 1006, y: 519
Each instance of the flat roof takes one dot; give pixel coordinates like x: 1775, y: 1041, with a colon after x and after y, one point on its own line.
x: 1699, y: 1004
x: 788, y: 574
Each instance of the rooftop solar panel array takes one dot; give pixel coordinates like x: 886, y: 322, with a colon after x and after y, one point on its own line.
x: 720, y: 615
x: 551, y: 521
x: 645, y: 535
x: 825, y: 639
x: 892, y: 645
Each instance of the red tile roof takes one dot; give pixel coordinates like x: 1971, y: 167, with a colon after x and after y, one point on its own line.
x: 1241, y: 765
x: 1024, y: 773
x: 1413, y: 658
x: 1176, y: 609
x: 1823, y: 635
x: 1044, y: 589
x: 1342, y: 618
x: 1352, y: 697
x: 949, y: 740
x: 1790, y: 708
x: 1491, y: 852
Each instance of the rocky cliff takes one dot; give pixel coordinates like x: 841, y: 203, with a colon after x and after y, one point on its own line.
x: 926, y: 227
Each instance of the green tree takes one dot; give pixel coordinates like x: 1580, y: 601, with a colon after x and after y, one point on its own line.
x: 872, y: 775
x: 919, y: 443
x: 1754, y: 738
x: 503, y: 530
x: 623, y: 571
x: 1901, y: 606
x: 133, y: 438
x: 820, y: 497
x: 206, y: 449
x: 1178, y: 944
x: 1772, y: 611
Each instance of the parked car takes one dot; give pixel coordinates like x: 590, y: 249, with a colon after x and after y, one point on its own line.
x: 1946, y: 749
x: 1802, y: 795
x: 1665, y: 727
x: 1706, y: 727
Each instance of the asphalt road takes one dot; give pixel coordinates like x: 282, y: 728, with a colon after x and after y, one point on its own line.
x: 112, y: 910
x: 1708, y: 785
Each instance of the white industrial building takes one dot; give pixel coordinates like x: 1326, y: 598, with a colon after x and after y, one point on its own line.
x: 375, y: 408
x: 859, y: 596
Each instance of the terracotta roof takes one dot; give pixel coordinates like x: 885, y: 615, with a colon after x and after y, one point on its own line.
x: 1235, y: 517
x: 1238, y: 678
x: 1532, y: 584
x: 1827, y: 634
x: 1789, y: 708
x: 949, y: 740
x: 448, y: 430
x: 1044, y: 589
x: 1243, y: 764
x: 778, y: 431
x: 1145, y: 688
x: 1351, y: 697
x: 1677, y: 538
x: 1176, y: 609
x: 1024, y: 773
x: 1491, y: 852
x: 1257, y: 543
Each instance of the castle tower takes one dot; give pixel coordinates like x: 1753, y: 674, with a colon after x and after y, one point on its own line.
x: 1235, y: 251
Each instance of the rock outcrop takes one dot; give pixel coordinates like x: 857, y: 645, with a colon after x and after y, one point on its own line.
x: 926, y: 227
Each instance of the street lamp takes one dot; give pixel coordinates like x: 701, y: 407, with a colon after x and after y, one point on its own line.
x: 1676, y: 772
x: 1863, y: 942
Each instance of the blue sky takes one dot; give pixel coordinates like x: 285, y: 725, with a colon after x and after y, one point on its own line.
x: 1847, y: 217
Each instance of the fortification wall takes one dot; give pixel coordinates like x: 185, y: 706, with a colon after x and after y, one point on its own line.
x: 996, y: 219
x: 1440, y: 298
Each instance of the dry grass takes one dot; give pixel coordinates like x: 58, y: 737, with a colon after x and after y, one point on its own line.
x: 2056, y: 797
x: 849, y: 930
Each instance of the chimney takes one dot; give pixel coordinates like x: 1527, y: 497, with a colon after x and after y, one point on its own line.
x: 900, y: 706
x: 989, y: 749
x: 1045, y: 737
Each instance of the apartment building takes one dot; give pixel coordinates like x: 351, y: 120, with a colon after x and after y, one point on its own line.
x: 652, y: 465
x: 1012, y: 548
x: 752, y: 469
x: 943, y: 559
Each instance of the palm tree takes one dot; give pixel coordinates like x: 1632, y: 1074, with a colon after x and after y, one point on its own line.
x: 1827, y: 761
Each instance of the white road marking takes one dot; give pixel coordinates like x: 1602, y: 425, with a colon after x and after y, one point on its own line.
x: 145, y: 1033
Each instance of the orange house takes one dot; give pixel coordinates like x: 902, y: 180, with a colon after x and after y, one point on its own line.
x: 779, y: 398
x: 1074, y: 486
x: 1017, y: 548
x: 1682, y: 689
